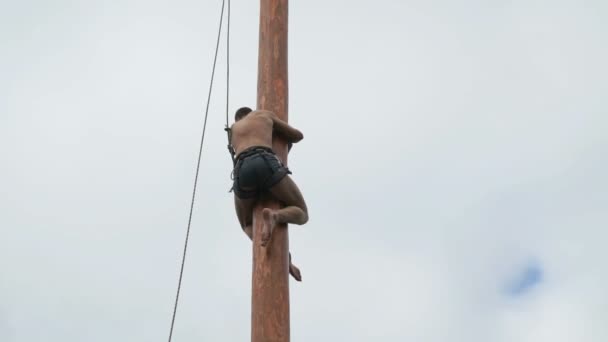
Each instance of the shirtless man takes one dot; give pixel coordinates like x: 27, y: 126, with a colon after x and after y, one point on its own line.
x: 258, y: 170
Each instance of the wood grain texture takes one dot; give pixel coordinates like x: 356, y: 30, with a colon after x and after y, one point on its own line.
x: 270, y: 288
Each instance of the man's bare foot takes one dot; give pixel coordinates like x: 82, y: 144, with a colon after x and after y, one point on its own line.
x: 295, y: 272
x: 270, y: 219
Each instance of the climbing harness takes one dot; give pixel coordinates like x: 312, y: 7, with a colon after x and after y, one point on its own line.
x: 257, y: 169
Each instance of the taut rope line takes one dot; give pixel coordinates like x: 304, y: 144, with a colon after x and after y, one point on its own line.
x: 198, y: 164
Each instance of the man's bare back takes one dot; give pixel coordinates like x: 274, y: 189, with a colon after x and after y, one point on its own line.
x: 255, y: 129
x: 258, y: 170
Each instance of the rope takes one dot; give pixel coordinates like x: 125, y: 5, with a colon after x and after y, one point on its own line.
x: 228, y: 129
x: 228, y: 64
x: 198, y: 165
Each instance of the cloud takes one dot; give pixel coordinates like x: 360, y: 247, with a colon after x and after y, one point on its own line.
x: 530, y: 276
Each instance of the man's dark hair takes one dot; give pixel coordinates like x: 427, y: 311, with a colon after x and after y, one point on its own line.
x: 241, y: 112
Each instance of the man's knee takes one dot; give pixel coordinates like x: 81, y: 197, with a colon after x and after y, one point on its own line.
x: 305, y: 220
x: 304, y: 214
x: 304, y: 207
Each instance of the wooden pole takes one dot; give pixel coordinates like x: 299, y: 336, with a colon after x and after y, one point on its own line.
x: 270, y: 290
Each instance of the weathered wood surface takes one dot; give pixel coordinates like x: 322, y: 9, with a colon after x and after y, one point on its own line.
x: 270, y: 288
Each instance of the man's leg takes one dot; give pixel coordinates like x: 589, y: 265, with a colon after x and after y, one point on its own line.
x: 295, y: 210
x: 244, y: 212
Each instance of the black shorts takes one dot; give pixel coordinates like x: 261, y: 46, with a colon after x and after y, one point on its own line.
x: 257, y: 169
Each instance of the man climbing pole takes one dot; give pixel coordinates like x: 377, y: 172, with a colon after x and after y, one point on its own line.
x: 257, y: 170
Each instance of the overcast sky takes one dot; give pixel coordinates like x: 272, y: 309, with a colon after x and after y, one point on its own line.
x: 454, y: 163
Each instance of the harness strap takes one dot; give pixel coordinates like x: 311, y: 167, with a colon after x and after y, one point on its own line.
x: 232, y: 153
x: 230, y: 147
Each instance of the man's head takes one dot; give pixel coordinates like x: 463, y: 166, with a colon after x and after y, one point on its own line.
x: 241, y: 113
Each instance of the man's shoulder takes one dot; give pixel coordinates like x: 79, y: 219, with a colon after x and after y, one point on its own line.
x: 254, y: 118
x: 263, y: 112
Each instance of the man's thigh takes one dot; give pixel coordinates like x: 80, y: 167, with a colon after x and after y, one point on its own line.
x: 244, y: 210
x: 288, y: 192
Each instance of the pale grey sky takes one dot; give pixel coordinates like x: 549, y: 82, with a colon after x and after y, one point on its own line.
x: 454, y: 163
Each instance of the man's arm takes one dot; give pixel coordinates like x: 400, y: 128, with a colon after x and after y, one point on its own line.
x: 283, y: 128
